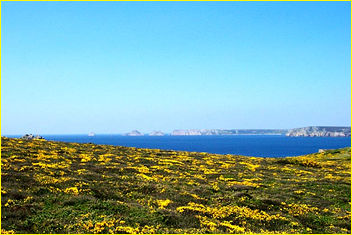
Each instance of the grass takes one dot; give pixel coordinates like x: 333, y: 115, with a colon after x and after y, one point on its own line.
x: 56, y: 187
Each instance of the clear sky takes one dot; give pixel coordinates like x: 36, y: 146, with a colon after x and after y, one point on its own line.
x: 111, y: 67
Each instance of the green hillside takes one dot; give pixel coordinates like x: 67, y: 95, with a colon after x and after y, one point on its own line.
x: 55, y: 187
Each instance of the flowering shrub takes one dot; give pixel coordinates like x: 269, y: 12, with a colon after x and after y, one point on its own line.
x: 54, y: 187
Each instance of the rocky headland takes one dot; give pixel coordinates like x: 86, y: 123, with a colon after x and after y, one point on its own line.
x: 320, y: 131
x: 32, y: 137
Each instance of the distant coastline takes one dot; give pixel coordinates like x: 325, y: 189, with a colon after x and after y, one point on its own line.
x: 311, y: 131
x: 246, y: 145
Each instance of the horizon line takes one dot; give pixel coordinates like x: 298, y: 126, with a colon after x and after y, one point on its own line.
x: 124, y: 133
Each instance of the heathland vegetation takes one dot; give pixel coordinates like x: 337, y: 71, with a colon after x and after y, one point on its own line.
x: 56, y: 187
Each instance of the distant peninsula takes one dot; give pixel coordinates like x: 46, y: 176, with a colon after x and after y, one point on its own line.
x: 310, y: 131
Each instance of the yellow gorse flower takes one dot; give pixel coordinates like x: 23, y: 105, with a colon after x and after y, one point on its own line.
x: 163, y: 203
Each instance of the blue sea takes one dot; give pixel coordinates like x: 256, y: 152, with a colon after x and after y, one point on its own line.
x: 248, y: 145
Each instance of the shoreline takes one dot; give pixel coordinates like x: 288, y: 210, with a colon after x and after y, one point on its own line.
x: 182, y: 151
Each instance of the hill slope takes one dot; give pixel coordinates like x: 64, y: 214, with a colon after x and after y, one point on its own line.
x: 55, y: 187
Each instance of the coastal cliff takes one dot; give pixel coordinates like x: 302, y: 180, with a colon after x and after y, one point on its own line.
x: 230, y: 132
x: 310, y: 131
x: 320, y: 131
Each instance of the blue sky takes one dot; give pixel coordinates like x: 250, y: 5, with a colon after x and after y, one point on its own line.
x: 110, y: 67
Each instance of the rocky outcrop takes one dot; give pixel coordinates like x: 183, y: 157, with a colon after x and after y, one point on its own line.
x: 134, y: 133
x: 320, y: 131
x: 32, y: 137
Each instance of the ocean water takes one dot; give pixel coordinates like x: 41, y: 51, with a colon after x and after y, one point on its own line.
x: 248, y: 145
